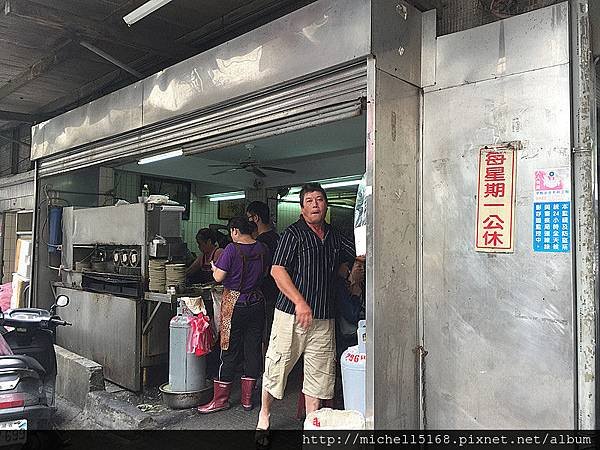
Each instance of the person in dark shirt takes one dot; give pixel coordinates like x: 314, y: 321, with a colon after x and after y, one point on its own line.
x: 200, y: 271
x: 241, y: 268
x: 305, y: 265
x: 350, y: 304
x: 349, y: 309
x: 258, y: 212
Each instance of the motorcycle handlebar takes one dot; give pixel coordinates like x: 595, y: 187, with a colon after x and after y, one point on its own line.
x: 64, y: 323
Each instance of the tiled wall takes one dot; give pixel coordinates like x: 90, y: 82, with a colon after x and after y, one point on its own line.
x: 287, y: 214
x: 10, y: 246
x: 127, y: 185
x: 202, y: 212
x: 106, y: 183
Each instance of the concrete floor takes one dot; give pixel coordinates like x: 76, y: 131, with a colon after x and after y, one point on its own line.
x: 178, y: 427
x: 283, y: 417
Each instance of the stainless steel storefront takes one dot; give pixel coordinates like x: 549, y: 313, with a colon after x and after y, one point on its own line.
x: 504, y: 321
x: 456, y: 338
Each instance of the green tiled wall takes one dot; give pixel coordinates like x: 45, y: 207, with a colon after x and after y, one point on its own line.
x: 202, y: 212
x: 287, y: 214
x: 127, y: 185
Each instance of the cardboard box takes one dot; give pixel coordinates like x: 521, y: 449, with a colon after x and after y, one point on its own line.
x: 19, y: 297
x: 23, y: 258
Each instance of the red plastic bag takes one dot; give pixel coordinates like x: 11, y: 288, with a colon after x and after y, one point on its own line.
x: 200, y: 335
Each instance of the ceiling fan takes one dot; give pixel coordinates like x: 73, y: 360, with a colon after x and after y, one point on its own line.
x: 250, y: 164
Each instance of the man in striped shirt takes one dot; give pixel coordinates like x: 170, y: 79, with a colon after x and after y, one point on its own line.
x: 304, y: 267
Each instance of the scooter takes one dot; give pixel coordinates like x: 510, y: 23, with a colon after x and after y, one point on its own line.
x: 28, y: 376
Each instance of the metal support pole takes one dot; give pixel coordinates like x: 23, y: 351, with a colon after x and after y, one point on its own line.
x: 14, y: 153
x: 586, y: 212
x: 151, y: 318
x: 31, y: 297
x: 116, y: 62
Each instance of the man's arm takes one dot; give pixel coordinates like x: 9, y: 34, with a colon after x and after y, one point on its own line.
x: 286, y: 286
x: 195, y: 266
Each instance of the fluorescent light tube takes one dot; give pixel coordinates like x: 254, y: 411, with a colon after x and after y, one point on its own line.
x: 291, y: 198
x: 160, y: 157
x: 340, y: 184
x: 141, y: 12
x: 226, y: 196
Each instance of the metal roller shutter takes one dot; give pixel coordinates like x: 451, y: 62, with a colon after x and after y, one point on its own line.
x: 335, y: 95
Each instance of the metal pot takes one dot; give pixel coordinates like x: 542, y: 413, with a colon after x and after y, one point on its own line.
x: 185, y: 400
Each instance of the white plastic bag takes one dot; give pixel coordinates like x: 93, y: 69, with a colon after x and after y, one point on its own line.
x: 195, y: 304
x: 360, y: 218
x: 217, y: 295
x: 334, y: 419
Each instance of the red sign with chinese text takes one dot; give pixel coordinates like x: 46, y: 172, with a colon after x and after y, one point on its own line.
x: 496, y: 199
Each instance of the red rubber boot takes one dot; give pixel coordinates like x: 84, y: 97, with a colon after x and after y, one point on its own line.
x: 248, y: 385
x: 220, y: 399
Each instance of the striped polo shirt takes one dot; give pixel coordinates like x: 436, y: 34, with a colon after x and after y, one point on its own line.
x: 312, y: 264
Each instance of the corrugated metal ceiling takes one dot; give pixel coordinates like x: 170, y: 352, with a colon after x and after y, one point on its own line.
x: 45, y: 71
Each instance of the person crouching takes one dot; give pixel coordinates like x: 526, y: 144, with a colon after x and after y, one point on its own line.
x: 241, y: 268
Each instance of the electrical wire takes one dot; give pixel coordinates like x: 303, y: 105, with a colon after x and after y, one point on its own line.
x: 501, y: 8
x: 9, y: 171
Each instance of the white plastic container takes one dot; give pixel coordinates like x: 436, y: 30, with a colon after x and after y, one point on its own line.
x: 334, y: 419
x: 353, y: 363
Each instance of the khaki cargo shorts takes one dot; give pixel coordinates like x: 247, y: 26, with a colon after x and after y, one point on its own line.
x: 287, y: 343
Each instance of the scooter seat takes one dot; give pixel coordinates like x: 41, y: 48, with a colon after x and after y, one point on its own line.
x: 21, y: 362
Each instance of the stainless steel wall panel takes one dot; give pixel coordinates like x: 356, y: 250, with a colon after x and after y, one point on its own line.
x: 429, y: 48
x: 315, y: 38
x: 107, y: 116
x: 525, y: 42
x: 319, y: 36
x: 330, y: 96
x: 100, y: 334
x: 393, y: 113
x: 39, y: 146
x: 498, y: 328
x: 585, y: 190
x: 396, y: 39
x: 109, y: 225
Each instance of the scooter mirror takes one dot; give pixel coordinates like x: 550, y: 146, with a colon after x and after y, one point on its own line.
x: 62, y: 300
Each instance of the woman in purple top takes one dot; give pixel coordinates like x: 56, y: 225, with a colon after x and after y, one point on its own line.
x: 241, y: 268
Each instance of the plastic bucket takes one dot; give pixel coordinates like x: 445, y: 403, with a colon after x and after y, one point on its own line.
x: 354, y: 379
x: 354, y: 375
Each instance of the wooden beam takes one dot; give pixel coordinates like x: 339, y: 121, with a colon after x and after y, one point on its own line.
x: 19, y: 117
x: 60, y: 53
x: 114, y: 31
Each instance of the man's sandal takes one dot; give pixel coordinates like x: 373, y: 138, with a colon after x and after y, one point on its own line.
x: 262, y: 438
